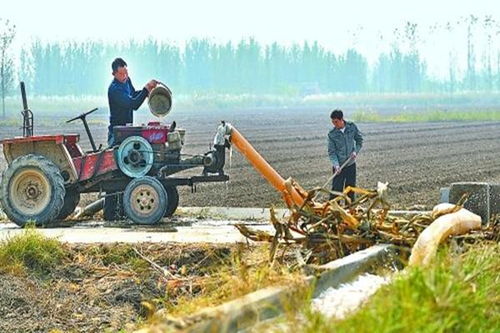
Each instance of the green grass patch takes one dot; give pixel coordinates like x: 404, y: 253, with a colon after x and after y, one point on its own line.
x: 66, y: 107
x: 426, y: 116
x: 30, y: 251
x: 458, y: 293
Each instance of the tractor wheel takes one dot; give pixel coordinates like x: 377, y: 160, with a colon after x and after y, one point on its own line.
x: 145, y: 200
x: 173, y: 200
x: 32, y: 189
x: 113, y: 207
x: 71, y: 200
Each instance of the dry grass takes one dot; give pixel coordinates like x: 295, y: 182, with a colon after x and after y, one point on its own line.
x: 246, y: 271
x: 110, y: 287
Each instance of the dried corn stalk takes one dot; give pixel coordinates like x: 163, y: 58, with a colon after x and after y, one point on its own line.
x: 338, y: 227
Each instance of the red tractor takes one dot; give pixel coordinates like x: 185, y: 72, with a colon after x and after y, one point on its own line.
x: 46, y: 174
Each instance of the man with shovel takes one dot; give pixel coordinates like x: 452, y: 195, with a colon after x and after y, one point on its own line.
x: 344, y: 143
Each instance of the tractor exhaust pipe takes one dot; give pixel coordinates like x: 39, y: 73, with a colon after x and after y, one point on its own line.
x: 27, y: 114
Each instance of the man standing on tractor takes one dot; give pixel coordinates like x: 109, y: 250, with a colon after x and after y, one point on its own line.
x: 344, y: 143
x: 123, y: 98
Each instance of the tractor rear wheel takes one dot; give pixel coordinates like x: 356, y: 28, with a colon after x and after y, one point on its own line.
x: 32, y: 189
x: 71, y: 200
x: 113, y: 207
x: 173, y: 200
x: 145, y: 200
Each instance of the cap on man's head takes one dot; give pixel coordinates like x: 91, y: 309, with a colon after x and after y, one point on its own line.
x: 337, y: 114
x: 117, y: 63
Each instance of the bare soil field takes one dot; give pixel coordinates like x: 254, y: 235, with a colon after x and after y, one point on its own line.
x: 415, y: 158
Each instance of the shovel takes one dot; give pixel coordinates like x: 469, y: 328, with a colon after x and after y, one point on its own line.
x: 334, y: 175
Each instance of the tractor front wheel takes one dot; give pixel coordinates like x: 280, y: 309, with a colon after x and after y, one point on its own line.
x: 145, y: 200
x: 32, y: 189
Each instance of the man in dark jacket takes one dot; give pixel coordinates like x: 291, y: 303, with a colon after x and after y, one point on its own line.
x: 344, y: 143
x: 123, y: 98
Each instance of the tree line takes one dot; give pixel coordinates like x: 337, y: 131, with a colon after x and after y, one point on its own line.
x: 247, y: 67
x: 203, y: 66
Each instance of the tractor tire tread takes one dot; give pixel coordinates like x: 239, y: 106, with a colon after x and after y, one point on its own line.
x: 55, y: 179
x: 71, y: 200
x: 173, y: 200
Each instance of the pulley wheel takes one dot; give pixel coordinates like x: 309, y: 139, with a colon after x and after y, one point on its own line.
x: 135, y: 156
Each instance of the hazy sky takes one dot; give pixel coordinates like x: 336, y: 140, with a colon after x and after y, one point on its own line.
x: 331, y: 23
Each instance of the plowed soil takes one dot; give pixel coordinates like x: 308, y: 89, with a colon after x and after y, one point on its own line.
x: 417, y: 159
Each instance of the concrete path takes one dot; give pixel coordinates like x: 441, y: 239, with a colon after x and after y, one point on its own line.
x: 189, y: 225
x: 197, y: 233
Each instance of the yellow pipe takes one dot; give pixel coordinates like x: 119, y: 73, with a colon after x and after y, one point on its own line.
x: 264, y: 168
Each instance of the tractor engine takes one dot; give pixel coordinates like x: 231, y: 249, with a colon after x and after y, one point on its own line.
x: 156, y: 149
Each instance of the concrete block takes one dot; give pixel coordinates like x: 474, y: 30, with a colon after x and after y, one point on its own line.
x: 494, y: 199
x: 479, y: 197
x: 344, y: 269
x: 244, y: 312
x: 444, y: 195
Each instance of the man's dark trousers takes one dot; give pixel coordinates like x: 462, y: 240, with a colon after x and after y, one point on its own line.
x: 346, y: 177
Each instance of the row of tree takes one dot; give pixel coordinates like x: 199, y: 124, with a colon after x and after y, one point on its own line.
x: 247, y: 67
x: 202, y: 66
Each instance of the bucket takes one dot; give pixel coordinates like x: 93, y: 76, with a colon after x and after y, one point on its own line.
x: 160, y: 100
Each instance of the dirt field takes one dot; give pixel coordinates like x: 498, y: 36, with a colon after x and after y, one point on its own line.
x: 416, y: 159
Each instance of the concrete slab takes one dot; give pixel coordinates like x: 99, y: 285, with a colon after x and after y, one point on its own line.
x: 190, y: 225
x: 444, y: 195
x: 341, y: 270
x: 230, y: 213
x: 479, y: 197
x: 494, y: 199
x: 242, y: 313
x: 256, y: 214
x: 206, y: 231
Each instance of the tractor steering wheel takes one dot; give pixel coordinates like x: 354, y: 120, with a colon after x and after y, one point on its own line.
x: 82, y: 116
x: 84, y: 120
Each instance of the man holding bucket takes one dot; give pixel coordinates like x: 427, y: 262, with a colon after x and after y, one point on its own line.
x: 123, y: 98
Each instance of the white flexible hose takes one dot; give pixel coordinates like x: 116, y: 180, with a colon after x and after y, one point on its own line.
x: 457, y: 223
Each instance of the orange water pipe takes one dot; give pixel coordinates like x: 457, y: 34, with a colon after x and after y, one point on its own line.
x: 265, y: 169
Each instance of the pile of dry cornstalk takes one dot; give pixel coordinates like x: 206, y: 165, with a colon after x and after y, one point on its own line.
x: 339, y: 226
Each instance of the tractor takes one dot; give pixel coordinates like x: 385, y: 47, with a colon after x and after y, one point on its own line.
x: 47, y: 174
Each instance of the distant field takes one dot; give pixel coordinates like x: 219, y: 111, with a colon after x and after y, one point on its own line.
x: 415, y: 158
x: 364, y: 104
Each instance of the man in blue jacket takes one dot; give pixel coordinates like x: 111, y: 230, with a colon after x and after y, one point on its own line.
x: 344, y: 143
x: 123, y: 98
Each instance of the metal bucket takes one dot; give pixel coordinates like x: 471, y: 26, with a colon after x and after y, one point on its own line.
x: 160, y: 100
